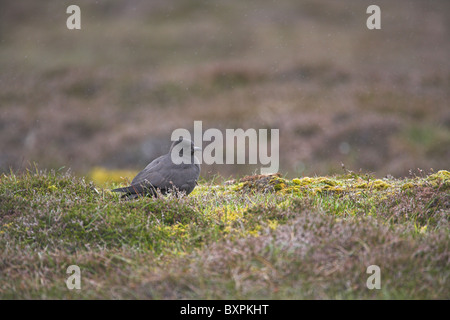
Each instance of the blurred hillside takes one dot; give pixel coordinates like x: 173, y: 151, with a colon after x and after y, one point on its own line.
x: 111, y: 93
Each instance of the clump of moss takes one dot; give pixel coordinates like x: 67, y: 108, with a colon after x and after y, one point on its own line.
x: 314, y: 186
x: 262, y: 183
x: 275, y: 183
x: 407, y: 186
x: 303, y: 181
x: 380, y: 185
x: 440, y: 179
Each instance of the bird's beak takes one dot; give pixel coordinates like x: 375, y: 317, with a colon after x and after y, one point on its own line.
x: 197, y: 149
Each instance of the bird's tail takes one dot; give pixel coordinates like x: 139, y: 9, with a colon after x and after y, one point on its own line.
x: 135, y: 189
x: 125, y: 189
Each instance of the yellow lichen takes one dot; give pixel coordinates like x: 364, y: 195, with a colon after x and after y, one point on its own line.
x: 273, y: 224
x: 279, y: 186
x: 380, y: 185
x: 52, y: 188
x: 361, y: 185
x: 440, y: 179
x: 327, y: 181
x: 407, y: 186
x: 337, y: 189
x: 303, y: 181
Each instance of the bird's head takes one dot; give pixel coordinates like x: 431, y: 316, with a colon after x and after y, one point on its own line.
x: 184, y: 147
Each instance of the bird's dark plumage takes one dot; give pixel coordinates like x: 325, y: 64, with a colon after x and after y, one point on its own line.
x: 164, y: 175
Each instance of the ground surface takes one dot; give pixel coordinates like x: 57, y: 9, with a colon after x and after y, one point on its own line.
x: 258, y: 238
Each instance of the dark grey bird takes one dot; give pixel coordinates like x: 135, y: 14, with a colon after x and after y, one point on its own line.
x: 176, y: 171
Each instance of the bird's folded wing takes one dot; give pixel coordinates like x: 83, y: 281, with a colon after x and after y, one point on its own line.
x: 158, y: 174
x: 154, y: 166
x: 162, y: 174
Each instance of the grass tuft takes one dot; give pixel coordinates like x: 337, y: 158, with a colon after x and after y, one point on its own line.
x: 257, y: 237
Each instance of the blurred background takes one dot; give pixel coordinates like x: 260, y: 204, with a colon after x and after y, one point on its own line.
x: 108, y: 96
